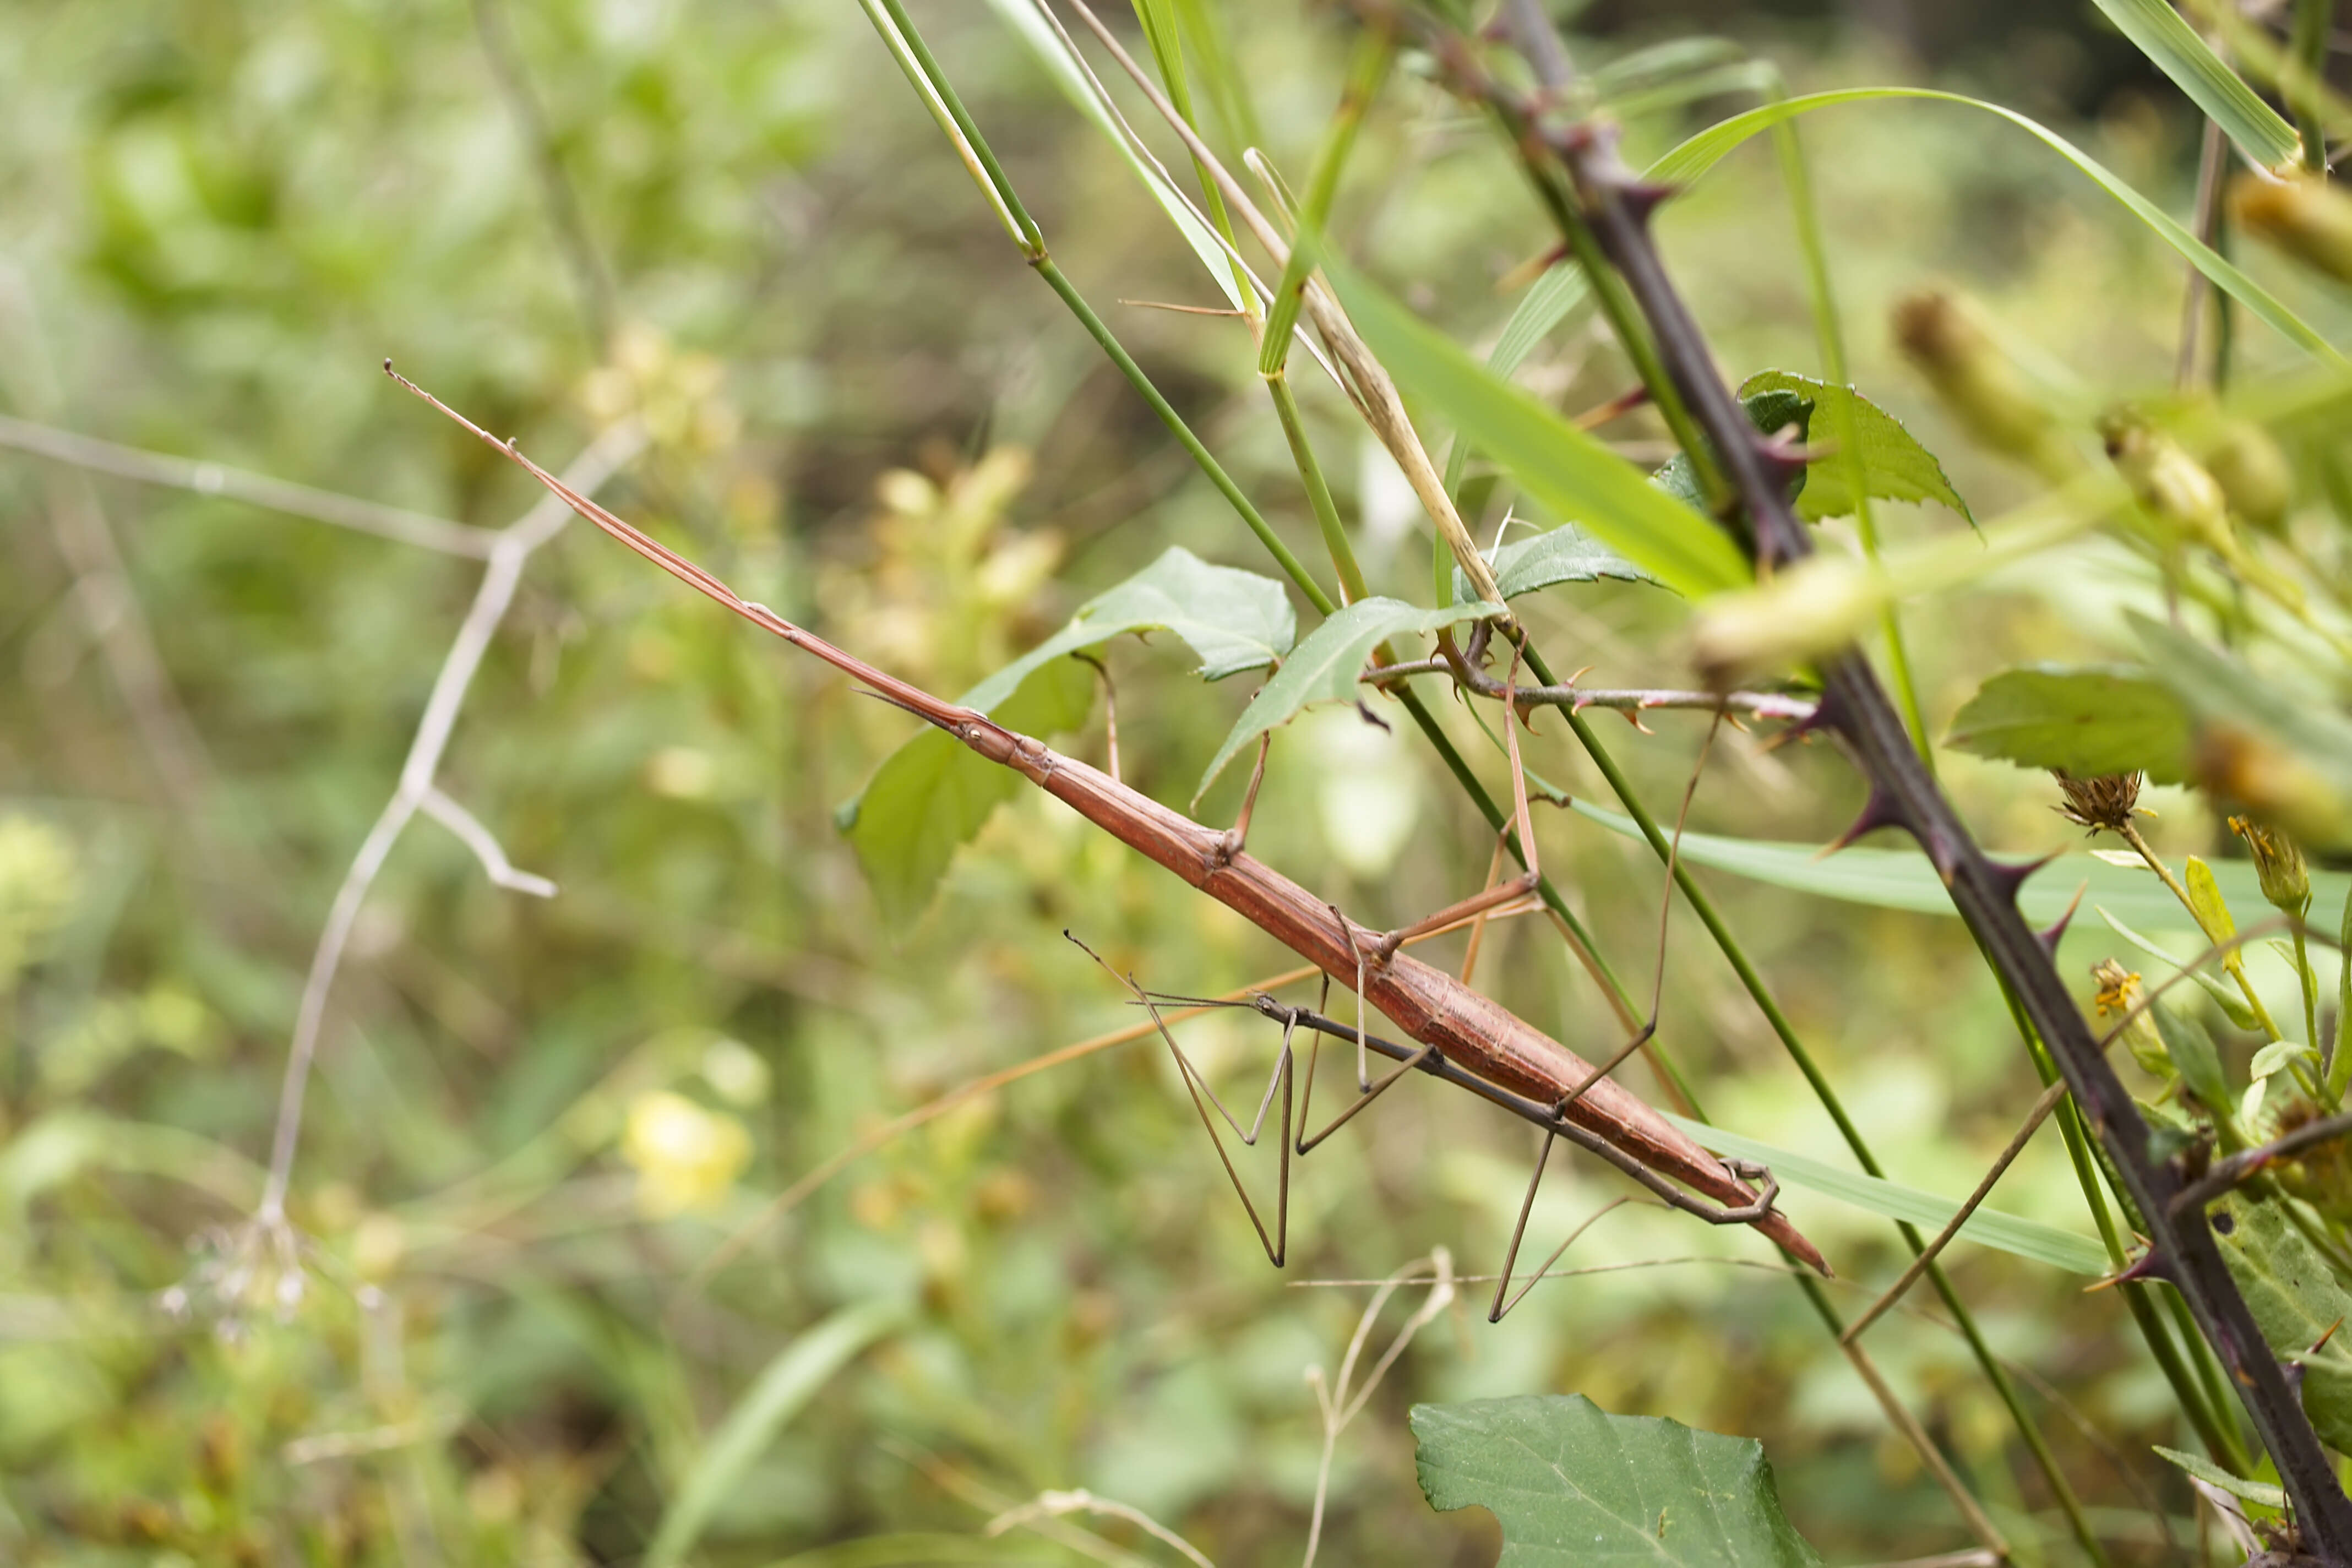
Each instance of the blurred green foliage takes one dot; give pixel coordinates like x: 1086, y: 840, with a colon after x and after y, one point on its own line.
x: 533, y: 1123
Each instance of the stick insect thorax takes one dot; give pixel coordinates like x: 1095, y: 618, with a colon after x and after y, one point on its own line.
x: 1428, y: 1005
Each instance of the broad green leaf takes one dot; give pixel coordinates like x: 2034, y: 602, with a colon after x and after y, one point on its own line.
x: 1234, y: 620
x: 2205, y: 900
x: 2173, y: 46
x: 1569, y: 473
x: 2191, y: 1050
x: 1987, y: 1228
x: 1558, y: 555
x: 1704, y: 151
x: 933, y: 794
x: 1895, y: 466
x: 1902, y: 878
x: 2213, y: 1475
x: 1769, y: 411
x: 1324, y: 667
x: 798, y: 1371
x: 2295, y: 1299
x: 2088, y: 719
x: 1573, y: 1485
x: 2228, y: 998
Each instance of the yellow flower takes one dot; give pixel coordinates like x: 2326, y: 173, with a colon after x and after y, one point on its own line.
x: 686, y: 1157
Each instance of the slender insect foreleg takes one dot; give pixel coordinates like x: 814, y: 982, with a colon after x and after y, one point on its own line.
x: 1196, y: 1086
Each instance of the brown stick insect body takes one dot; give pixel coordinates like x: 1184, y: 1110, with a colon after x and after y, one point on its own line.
x: 1468, y: 1030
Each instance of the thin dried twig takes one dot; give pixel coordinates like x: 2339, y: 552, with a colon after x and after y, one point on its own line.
x: 1342, y: 1400
x: 418, y: 791
x: 1056, y: 1505
x: 425, y: 531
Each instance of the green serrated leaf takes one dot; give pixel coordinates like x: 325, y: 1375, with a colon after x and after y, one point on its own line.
x: 931, y: 794
x: 1903, y: 880
x: 1234, y: 620
x: 2161, y: 33
x: 2213, y: 1475
x: 2231, y: 1000
x: 2191, y: 1050
x: 2088, y: 719
x: 1572, y: 475
x: 1324, y: 669
x: 1893, y: 1200
x: 1548, y: 559
x: 2295, y: 1299
x: 1895, y: 466
x: 1769, y: 411
x: 1572, y: 1484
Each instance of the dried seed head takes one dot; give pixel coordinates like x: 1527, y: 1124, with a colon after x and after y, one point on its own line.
x: 2119, y: 993
x: 2320, y: 1176
x: 2278, y: 864
x: 2299, y: 216
x: 2103, y: 802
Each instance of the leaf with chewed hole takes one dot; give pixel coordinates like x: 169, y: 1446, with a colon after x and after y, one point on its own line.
x: 1572, y: 1484
x: 1324, y: 667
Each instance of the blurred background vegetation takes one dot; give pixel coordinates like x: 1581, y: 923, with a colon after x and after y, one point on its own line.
x: 534, y: 1124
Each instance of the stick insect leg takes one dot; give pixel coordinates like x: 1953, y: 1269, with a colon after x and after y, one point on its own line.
x: 1238, y: 834
x: 1196, y: 1086
x: 1501, y: 1309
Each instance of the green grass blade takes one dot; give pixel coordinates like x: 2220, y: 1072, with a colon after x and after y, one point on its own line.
x: 798, y: 1371
x: 1903, y: 880
x: 1572, y: 474
x: 2159, y: 31
x: 1704, y: 151
x: 1987, y: 1228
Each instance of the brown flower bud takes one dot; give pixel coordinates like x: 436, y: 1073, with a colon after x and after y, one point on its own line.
x: 2300, y: 215
x: 1978, y: 381
x: 2105, y: 802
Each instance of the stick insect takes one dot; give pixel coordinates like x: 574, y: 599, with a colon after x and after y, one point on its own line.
x: 1461, y: 1036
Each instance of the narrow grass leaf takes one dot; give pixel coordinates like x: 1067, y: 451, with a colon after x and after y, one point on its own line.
x: 1572, y: 1484
x: 2172, y: 46
x: 798, y: 1371
x: 2212, y: 1474
x: 1701, y: 151
x: 2089, y: 719
x: 1903, y: 880
x: 1987, y: 1228
x: 1572, y: 475
x: 1325, y: 667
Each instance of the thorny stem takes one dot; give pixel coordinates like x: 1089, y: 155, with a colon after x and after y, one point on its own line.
x: 1857, y: 710
x: 417, y: 790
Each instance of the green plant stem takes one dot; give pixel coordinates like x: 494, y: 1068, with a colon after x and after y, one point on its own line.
x: 1830, y: 336
x: 2339, y: 1062
x: 2308, y: 984
x: 1375, y: 52
x: 2198, y: 1395
x: 2307, y: 48
x: 1352, y: 585
x: 1766, y: 1002
x: 1290, y: 563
